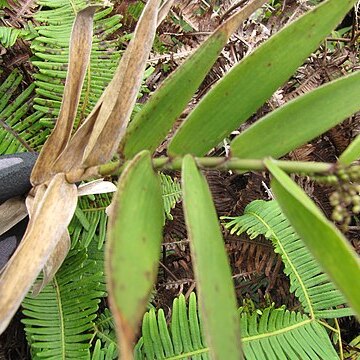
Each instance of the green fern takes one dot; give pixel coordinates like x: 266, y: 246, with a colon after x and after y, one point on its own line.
x: 270, y: 334
x: 171, y: 189
x: 20, y: 128
x: 105, y: 334
x: 108, y: 353
x: 9, y: 35
x: 317, y: 294
x: 90, y: 221
x: 60, y: 320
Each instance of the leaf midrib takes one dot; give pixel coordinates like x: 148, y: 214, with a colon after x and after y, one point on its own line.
x: 61, y: 318
x: 302, y: 285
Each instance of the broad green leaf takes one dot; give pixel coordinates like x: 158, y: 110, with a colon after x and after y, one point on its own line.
x: 211, y: 266
x: 153, y: 122
x: 351, y: 153
x: 300, y: 120
x: 133, y: 246
x: 250, y: 83
x: 323, y: 239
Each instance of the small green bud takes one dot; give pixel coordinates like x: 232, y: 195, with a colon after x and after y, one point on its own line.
x: 337, y: 217
x: 356, y: 209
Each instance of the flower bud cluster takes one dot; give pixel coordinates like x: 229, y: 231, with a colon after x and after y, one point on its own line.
x: 345, y: 200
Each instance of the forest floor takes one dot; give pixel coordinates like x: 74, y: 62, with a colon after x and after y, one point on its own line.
x: 257, y: 270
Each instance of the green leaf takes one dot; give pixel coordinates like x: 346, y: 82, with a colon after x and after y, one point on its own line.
x: 211, y: 266
x: 300, y: 120
x: 133, y: 246
x: 249, y: 84
x: 351, y: 153
x: 153, y: 122
x: 324, y: 240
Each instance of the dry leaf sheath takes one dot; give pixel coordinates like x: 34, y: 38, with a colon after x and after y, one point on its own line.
x: 52, y: 201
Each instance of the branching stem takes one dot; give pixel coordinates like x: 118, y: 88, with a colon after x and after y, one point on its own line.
x: 225, y: 164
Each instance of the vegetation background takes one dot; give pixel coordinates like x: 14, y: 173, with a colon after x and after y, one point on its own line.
x: 27, y: 28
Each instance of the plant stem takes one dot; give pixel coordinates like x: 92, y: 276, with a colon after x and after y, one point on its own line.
x: 225, y: 164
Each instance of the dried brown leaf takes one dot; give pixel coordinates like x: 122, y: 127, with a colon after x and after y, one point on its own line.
x: 54, y: 262
x: 115, y: 115
x: 80, y: 48
x: 51, y: 213
x: 100, y: 134
x: 12, y: 211
x: 164, y: 9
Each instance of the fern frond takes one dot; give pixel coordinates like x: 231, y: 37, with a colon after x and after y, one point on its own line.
x: 317, y: 294
x: 270, y: 334
x: 90, y: 221
x: 60, y: 320
x: 281, y: 334
x: 19, y: 130
x: 20, y: 7
x: 9, y: 35
x: 182, y: 339
x: 105, y: 335
x: 108, y: 353
x: 171, y: 189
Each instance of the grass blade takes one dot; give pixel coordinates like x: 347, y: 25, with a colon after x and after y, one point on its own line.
x: 323, y: 239
x: 133, y: 247
x: 249, y: 84
x: 212, y: 270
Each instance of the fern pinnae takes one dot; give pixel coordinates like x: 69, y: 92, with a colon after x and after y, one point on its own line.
x: 270, y: 334
x: 164, y: 332
x: 71, y: 303
x: 306, y: 277
x: 171, y: 193
x: 194, y: 322
x: 19, y: 130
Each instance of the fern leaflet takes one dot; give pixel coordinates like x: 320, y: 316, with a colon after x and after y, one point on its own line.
x: 171, y: 189
x: 60, y: 320
x: 270, y: 334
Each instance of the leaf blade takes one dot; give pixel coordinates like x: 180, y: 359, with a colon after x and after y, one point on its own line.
x: 97, y: 138
x: 300, y: 120
x: 351, y: 153
x: 238, y: 95
x: 30, y: 257
x: 150, y: 126
x: 80, y: 48
x: 216, y: 291
x: 133, y: 246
